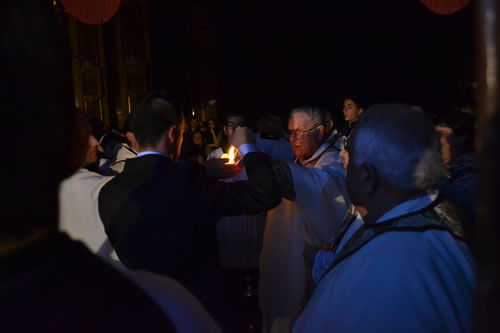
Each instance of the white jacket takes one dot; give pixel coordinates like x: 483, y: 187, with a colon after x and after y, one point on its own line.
x: 312, y: 217
x: 79, y: 214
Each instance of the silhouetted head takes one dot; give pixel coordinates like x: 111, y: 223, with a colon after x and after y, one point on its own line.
x: 37, y: 101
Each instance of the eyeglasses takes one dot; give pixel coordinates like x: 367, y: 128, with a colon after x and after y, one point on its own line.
x: 233, y: 125
x: 299, y: 133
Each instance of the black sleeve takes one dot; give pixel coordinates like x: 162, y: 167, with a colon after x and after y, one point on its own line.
x: 284, y: 178
x: 213, y: 199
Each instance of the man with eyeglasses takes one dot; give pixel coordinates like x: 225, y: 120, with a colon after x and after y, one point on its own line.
x: 231, y: 121
x: 403, y: 268
x: 314, y: 201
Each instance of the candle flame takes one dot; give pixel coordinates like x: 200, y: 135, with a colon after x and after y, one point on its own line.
x: 231, y: 155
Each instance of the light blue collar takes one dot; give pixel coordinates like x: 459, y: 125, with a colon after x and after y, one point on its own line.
x: 410, y: 206
x: 143, y: 153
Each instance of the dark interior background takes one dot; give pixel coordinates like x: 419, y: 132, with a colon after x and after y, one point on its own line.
x: 270, y: 58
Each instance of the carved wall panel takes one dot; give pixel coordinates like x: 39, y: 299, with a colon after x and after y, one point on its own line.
x: 132, y: 55
x: 88, y: 62
x: 111, y: 63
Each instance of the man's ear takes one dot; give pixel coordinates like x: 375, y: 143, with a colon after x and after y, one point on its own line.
x: 321, y: 131
x: 361, y: 110
x: 172, y: 133
x: 329, y: 124
x: 369, y: 178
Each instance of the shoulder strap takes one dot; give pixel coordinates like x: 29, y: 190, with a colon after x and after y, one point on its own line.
x: 347, y: 221
x: 334, y: 140
x: 414, y: 222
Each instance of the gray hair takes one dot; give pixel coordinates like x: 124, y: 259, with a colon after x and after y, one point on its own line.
x: 315, y: 114
x: 401, y: 144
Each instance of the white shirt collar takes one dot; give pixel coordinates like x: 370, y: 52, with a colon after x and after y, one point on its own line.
x: 325, y: 145
x: 332, y: 135
x: 143, y: 153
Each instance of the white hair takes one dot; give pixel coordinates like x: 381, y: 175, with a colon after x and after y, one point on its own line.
x: 401, y: 144
x: 316, y: 115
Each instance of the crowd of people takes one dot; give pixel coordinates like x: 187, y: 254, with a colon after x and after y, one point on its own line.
x: 353, y: 229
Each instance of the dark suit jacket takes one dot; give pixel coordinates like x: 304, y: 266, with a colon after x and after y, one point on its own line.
x: 160, y: 216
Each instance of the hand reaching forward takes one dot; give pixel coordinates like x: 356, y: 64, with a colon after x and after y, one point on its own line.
x: 217, y: 169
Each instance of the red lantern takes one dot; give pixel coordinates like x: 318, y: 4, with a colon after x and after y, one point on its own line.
x: 91, y: 11
x: 445, y: 7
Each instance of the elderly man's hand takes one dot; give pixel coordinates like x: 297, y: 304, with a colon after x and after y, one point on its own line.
x: 345, y: 158
x: 217, y: 169
x: 242, y: 135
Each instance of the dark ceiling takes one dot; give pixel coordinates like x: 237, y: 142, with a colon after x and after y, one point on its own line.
x: 276, y: 57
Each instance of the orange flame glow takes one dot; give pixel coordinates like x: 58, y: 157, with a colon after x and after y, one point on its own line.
x: 231, y: 155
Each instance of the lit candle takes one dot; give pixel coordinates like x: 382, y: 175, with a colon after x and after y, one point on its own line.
x: 231, y: 155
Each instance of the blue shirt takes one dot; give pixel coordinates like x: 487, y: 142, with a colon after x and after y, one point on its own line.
x: 324, y: 259
x: 397, y: 282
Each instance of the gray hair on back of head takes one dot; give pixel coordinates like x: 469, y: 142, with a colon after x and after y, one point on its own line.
x: 401, y: 144
x: 317, y: 115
